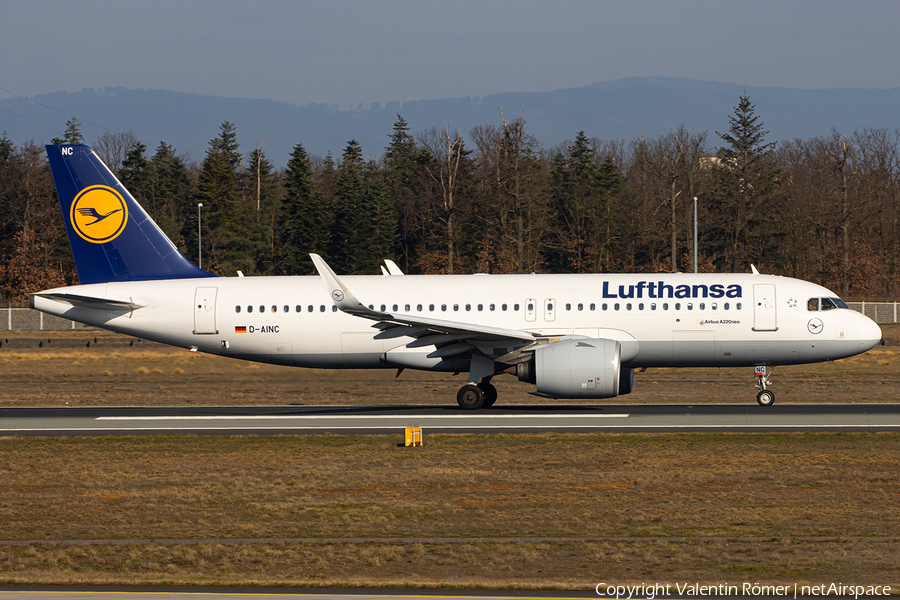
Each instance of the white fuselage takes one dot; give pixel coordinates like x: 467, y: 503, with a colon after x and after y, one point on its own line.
x: 675, y: 319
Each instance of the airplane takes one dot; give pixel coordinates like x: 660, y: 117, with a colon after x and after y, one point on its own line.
x: 574, y: 336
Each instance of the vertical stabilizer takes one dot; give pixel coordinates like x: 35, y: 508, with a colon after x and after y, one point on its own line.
x: 112, y: 237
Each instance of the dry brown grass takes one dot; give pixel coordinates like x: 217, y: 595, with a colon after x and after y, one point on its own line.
x: 573, y: 565
x: 782, y: 487
x: 151, y: 374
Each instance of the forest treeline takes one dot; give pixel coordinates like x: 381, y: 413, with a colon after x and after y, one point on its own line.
x: 823, y: 209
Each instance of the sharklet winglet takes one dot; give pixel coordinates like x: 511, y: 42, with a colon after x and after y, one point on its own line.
x: 342, y: 297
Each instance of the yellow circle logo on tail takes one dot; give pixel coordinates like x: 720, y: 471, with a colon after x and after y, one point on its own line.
x: 98, y: 214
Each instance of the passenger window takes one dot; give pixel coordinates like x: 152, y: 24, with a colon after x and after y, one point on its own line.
x: 468, y: 307
x: 568, y: 306
x: 594, y: 306
x: 580, y: 306
x: 653, y: 306
x: 605, y: 306
x: 431, y: 307
x: 503, y: 307
x: 371, y: 307
x: 530, y: 307
x: 641, y: 306
x: 703, y: 306
x: 813, y: 304
x: 492, y: 307
x: 714, y: 306
x: 287, y: 308
x: 237, y: 309
x: 249, y: 309
x: 690, y: 306
x: 444, y: 307
x: 628, y: 306
x: 298, y: 308
x: 616, y: 306
x: 383, y: 308
x: 738, y: 306
x: 725, y: 306
x: 549, y: 306
x: 274, y: 308
x: 480, y: 307
x: 309, y: 308
x: 396, y: 308
x: 678, y: 306
x: 333, y: 308
x: 418, y: 307
x: 262, y: 308
x: 665, y: 306
x: 321, y: 308
x: 406, y: 308
x: 516, y: 307
x: 456, y: 307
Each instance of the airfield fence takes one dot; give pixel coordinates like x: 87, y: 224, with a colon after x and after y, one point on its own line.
x: 27, y: 319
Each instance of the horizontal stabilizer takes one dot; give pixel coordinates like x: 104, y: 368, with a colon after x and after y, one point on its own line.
x: 91, y: 301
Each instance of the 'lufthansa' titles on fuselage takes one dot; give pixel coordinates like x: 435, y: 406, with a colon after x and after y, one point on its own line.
x: 660, y: 289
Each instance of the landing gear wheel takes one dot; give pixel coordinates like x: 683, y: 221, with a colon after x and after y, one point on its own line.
x: 470, y: 397
x: 766, y: 398
x: 490, y: 393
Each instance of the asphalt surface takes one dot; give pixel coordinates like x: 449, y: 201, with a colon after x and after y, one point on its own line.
x: 271, y: 420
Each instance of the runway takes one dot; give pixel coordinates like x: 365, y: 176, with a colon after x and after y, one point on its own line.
x: 272, y: 420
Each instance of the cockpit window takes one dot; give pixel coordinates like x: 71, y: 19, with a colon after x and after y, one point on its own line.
x: 828, y: 303
x: 825, y: 304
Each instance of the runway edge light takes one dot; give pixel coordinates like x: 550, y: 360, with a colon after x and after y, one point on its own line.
x: 413, y: 436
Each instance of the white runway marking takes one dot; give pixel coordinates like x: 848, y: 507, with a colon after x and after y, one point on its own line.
x: 349, y: 417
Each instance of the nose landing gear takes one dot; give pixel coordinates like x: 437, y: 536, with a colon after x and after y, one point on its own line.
x: 765, y: 397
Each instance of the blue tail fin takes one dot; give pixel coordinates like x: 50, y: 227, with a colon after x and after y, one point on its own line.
x: 112, y: 238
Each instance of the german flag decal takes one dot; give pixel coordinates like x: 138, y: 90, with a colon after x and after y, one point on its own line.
x: 240, y: 329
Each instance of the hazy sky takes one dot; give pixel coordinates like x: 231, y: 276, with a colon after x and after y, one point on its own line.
x: 364, y: 51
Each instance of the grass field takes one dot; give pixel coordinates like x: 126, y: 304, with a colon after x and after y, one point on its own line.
x: 552, y: 511
x: 791, y: 491
x: 112, y: 373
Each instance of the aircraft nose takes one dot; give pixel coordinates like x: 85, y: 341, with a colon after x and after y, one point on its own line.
x: 869, y: 333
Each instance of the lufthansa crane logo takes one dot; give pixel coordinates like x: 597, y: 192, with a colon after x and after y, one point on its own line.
x: 98, y: 214
x: 815, y: 325
x: 338, y: 295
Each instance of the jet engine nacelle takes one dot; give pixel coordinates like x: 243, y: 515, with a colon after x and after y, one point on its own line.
x: 585, y: 368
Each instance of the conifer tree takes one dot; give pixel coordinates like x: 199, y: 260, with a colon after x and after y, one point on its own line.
x: 251, y: 228
x: 172, y: 194
x: 746, y: 182
x: 350, y: 225
x: 304, y: 220
x: 575, y: 178
x: 72, y: 134
x: 610, y: 187
x: 219, y: 191
x: 135, y: 177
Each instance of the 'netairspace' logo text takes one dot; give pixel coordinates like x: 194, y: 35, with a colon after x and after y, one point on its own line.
x: 651, y: 590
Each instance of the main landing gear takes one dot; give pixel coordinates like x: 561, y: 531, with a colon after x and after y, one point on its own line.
x: 473, y: 396
x: 765, y: 397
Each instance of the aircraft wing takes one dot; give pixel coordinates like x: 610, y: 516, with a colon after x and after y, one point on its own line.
x: 449, y: 337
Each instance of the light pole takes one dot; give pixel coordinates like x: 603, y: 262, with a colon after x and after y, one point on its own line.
x: 695, y: 234
x: 200, y: 239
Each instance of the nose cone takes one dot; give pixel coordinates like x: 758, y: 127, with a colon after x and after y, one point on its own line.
x: 869, y: 334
